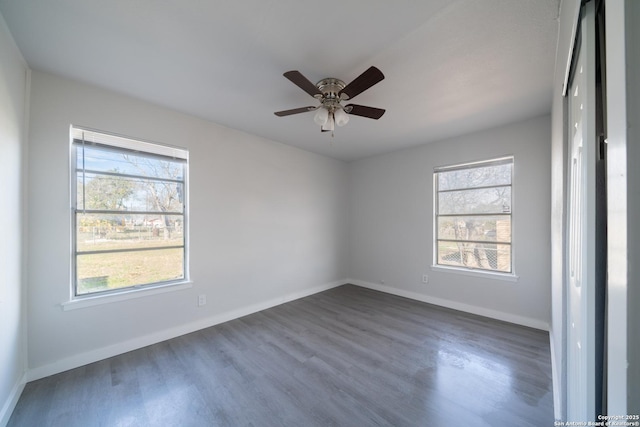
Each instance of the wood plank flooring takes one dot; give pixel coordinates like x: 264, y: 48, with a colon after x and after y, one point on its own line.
x: 345, y: 357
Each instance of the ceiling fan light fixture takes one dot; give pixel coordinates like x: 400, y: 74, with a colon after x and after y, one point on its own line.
x: 329, y: 126
x: 330, y: 92
x: 341, y: 118
x: 321, y: 117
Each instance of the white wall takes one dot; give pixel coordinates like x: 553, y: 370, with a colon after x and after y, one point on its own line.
x: 268, y: 223
x: 13, y: 89
x: 391, y: 223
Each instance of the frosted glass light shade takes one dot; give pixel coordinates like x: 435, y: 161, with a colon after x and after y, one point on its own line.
x: 321, y: 117
x: 330, y: 124
x: 341, y: 117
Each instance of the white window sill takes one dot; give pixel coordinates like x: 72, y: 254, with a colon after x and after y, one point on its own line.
x: 124, y: 295
x: 507, y: 277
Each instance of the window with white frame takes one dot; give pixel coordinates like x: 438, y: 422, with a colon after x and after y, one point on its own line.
x: 473, y: 215
x: 129, y: 205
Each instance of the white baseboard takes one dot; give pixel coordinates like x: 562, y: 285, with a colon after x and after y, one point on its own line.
x: 139, y: 342
x: 481, y: 311
x: 12, y: 401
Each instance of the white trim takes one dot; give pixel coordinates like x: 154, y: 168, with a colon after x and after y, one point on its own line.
x: 474, y: 164
x: 618, y: 256
x: 12, y: 401
x: 555, y: 380
x: 507, y: 277
x: 163, y: 335
x: 126, y: 294
x: 480, y: 311
x: 101, y: 137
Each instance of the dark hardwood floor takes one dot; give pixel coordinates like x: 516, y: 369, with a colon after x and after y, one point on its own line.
x: 345, y: 357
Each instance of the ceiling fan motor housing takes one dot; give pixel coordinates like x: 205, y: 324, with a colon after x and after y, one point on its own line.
x: 330, y: 88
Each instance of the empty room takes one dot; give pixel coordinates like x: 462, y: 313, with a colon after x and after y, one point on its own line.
x: 350, y: 213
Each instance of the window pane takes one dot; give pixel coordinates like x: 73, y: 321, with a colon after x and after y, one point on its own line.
x: 475, y: 177
x: 485, y: 200
x: 129, y: 214
x: 101, y: 272
x: 486, y: 256
x: 478, y: 228
x: 95, y: 232
x: 113, y: 160
x: 106, y: 192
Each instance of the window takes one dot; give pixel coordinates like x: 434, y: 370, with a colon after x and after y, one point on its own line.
x: 129, y: 204
x: 473, y: 215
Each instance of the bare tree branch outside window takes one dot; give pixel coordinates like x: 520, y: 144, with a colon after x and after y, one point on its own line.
x: 129, y: 217
x: 473, y: 215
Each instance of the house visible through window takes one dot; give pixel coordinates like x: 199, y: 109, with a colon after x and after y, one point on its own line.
x: 473, y: 215
x: 129, y: 213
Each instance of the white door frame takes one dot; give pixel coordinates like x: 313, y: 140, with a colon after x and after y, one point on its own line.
x: 617, y: 279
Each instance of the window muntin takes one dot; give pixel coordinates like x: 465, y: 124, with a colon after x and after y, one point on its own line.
x: 129, y: 213
x: 473, y: 207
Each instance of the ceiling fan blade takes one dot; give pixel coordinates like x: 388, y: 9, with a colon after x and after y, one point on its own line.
x: 302, y: 82
x: 364, y: 111
x: 363, y: 82
x: 294, y: 111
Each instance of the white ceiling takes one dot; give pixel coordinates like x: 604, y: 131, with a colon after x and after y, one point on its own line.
x: 451, y: 67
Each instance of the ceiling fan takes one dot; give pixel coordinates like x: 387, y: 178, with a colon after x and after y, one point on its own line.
x: 331, y: 92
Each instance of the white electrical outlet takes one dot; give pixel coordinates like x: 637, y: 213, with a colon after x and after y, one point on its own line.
x: 425, y: 278
x: 202, y: 300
